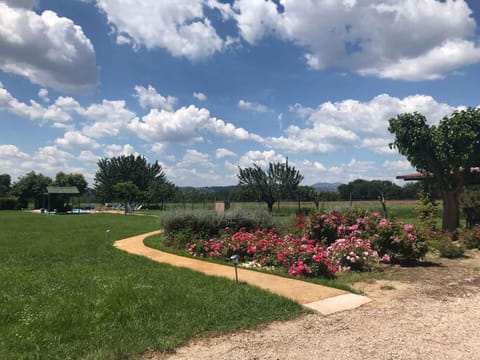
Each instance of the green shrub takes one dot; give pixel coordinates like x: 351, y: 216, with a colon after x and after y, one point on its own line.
x: 8, y: 203
x: 451, y: 249
x: 445, y: 245
x: 183, y: 226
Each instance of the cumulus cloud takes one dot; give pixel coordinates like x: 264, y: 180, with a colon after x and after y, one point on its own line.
x: 260, y: 158
x: 106, y: 119
x: 119, y: 150
x: 43, y: 94
x: 180, y: 27
x: 76, y: 140
x: 185, y: 126
x: 200, y: 96
x: 34, y: 111
x: 47, y: 49
x: 369, y: 37
x: 255, y: 107
x: 222, y: 152
x: 331, y: 126
x: 149, y: 97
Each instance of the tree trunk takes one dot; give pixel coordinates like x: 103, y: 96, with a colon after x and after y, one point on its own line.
x: 270, y: 206
x: 451, y: 212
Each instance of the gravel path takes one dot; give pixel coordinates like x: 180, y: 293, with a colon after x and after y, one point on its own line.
x: 417, y: 313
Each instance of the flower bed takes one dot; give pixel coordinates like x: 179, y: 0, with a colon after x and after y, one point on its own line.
x: 331, y: 242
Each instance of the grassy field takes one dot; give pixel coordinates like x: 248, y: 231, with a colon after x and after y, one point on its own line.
x: 65, y: 292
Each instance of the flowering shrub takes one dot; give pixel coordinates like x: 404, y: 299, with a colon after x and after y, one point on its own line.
x: 399, y: 241
x: 331, y: 242
x: 354, y: 253
x: 470, y: 237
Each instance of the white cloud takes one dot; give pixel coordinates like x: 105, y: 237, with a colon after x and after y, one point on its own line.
x: 106, y: 119
x: 351, y: 122
x: 260, y: 158
x: 26, y: 4
x: 33, y: 111
x: 221, y: 153
x: 194, y: 158
x: 184, y: 125
x: 87, y: 156
x: 432, y: 65
x: 43, y: 94
x: 165, y: 126
x: 158, y: 148
x: 200, y: 96
x: 398, y: 165
x: 119, y: 150
x: 255, y: 107
x: 378, y: 145
x: 77, y: 141
x: 48, y: 50
x: 148, y: 97
x: 369, y: 37
x: 181, y: 27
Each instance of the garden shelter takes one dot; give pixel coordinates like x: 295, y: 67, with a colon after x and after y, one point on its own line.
x: 56, y: 193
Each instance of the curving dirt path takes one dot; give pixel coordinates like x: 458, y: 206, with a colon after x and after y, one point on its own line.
x: 416, y: 313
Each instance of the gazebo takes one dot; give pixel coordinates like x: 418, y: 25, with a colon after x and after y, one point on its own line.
x: 59, y: 192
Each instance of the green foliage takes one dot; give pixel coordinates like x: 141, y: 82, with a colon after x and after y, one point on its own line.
x: 8, y: 203
x: 181, y: 227
x: 360, y: 189
x: 123, y: 168
x: 451, y: 249
x: 427, y: 211
x: 444, y: 153
x: 5, y: 181
x: 77, y: 180
x: 67, y: 293
x: 30, y: 188
x: 446, y: 247
x: 279, y: 180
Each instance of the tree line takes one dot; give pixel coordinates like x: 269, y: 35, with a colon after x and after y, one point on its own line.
x: 132, y: 179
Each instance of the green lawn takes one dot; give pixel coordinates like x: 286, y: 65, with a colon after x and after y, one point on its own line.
x: 65, y: 292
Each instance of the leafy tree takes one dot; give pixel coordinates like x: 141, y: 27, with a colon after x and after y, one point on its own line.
x: 444, y: 153
x: 5, y: 182
x: 123, y: 168
x: 161, y: 190
x: 77, y: 180
x: 128, y: 191
x: 30, y: 188
x: 279, y: 180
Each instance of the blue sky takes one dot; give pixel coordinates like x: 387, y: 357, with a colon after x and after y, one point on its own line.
x: 204, y: 86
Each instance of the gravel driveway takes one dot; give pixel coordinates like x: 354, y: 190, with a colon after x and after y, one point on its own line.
x: 430, y: 312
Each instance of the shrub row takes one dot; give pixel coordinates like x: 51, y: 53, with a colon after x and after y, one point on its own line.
x: 181, y: 226
x: 8, y: 203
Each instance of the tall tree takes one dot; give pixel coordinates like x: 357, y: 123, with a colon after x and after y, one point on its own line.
x: 444, y: 153
x: 77, y: 180
x: 5, y: 182
x: 30, y: 188
x: 279, y: 180
x: 123, y: 168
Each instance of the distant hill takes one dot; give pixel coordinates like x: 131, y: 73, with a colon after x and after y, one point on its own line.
x: 323, y: 186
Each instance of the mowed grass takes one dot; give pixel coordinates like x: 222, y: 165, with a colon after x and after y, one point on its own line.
x: 65, y: 292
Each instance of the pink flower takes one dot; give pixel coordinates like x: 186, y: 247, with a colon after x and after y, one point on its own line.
x: 386, y: 259
x: 408, y: 227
